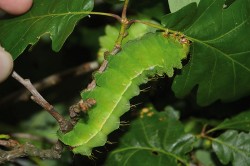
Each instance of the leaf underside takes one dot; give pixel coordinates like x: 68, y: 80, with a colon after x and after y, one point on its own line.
x: 53, y: 17
x: 220, y: 52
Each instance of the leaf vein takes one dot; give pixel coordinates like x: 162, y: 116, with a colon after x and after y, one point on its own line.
x: 212, y: 75
x: 240, y: 151
x: 234, y: 79
x: 145, y: 134
x: 152, y: 149
x: 228, y: 32
x: 200, y: 16
x: 126, y: 161
x: 222, y: 53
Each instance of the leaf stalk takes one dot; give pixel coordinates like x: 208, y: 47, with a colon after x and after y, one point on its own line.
x: 105, y: 14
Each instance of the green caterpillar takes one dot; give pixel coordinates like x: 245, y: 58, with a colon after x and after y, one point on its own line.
x: 153, y: 54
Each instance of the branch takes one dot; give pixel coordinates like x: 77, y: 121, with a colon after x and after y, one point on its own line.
x: 18, y: 150
x: 63, y: 123
x: 30, y: 150
x: 50, y: 81
x: 122, y: 34
x: 125, y: 8
x: 10, y: 143
x: 125, y: 25
x: 31, y: 137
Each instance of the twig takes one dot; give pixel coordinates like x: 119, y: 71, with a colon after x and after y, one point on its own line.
x: 125, y: 8
x: 63, y: 123
x: 30, y: 150
x: 125, y: 25
x: 117, y: 47
x: 203, y: 131
x: 118, y: 18
x: 10, y: 143
x: 28, y: 136
x: 23, y: 94
x: 81, y: 106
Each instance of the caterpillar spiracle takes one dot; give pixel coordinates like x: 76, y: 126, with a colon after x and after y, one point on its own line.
x: 153, y: 54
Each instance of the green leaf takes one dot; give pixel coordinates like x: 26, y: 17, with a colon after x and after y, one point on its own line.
x: 233, y: 146
x: 155, y: 138
x: 111, y: 32
x: 43, y: 124
x: 4, y: 136
x: 58, y: 18
x: 239, y: 122
x: 107, y: 41
x: 176, y: 5
x: 180, y: 19
x: 220, y: 63
x: 204, y: 158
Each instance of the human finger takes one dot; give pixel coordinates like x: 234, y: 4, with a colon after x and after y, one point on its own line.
x: 6, y: 64
x: 15, y: 7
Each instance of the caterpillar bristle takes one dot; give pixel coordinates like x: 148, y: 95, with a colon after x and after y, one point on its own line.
x: 152, y: 79
x: 98, y: 151
x: 145, y: 89
x: 124, y: 123
x: 111, y: 143
x: 133, y: 106
x: 92, y: 157
x: 156, y: 77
